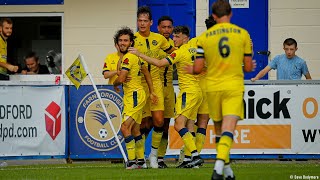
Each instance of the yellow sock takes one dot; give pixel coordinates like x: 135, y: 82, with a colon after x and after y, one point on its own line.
x: 227, y: 161
x: 224, y: 146
x: 200, y: 138
x: 163, y: 145
x: 130, y: 146
x: 144, y: 140
x: 156, y: 137
x: 187, y: 153
x: 187, y: 140
x: 139, y: 147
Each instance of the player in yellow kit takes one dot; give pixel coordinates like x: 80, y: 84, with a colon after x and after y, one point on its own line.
x: 165, y: 28
x: 110, y: 65
x: 134, y: 98
x: 5, y: 33
x: 151, y: 44
x: 190, y: 96
x: 224, y: 48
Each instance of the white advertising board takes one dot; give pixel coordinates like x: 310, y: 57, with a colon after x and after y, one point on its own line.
x: 32, y: 120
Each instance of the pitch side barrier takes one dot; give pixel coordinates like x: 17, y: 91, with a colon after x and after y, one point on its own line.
x: 282, y: 121
x: 33, y: 121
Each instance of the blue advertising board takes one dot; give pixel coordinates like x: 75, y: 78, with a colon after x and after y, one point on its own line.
x: 90, y: 134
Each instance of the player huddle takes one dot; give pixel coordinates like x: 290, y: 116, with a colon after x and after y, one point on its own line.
x: 210, y: 75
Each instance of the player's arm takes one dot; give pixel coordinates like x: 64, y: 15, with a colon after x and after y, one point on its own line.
x: 119, y: 66
x: 198, y: 65
x: 122, y: 77
x: 107, y: 71
x: 8, y: 66
x: 166, y: 46
x: 109, y: 74
x: 170, y: 50
x: 119, y: 69
x: 147, y: 76
x: 247, y: 63
x: 150, y: 60
x: 262, y: 73
x: 199, y: 62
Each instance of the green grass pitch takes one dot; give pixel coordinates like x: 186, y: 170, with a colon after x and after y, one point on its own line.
x: 97, y: 170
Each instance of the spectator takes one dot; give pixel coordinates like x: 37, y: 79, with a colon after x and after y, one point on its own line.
x: 289, y: 66
x: 33, y: 65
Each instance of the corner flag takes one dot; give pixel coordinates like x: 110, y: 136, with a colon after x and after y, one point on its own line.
x: 76, y: 73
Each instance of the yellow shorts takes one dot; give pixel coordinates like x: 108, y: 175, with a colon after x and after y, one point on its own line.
x: 146, y: 109
x: 203, y: 109
x: 222, y: 103
x: 188, y: 104
x: 158, y: 89
x: 169, y: 101
x: 133, y: 105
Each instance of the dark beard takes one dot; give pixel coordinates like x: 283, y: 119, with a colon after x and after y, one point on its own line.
x: 124, y: 52
x: 4, y: 34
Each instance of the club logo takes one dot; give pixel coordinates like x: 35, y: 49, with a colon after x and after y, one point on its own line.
x: 126, y: 61
x: 75, y: 73
x: 92, y: 124
x: 154, y: 42
x: 53, y: 119
x: 173, y: 55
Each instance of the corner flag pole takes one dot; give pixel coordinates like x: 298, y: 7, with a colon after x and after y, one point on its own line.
x: 103, y: 107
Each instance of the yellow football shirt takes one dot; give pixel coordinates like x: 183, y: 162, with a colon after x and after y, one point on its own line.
x: 132, y: 63
x: 152, y: 47
x: 3, y: 54
x: 166, y: 73
x: 110, y: 64
x: 182, y: 57
x: 224, y: 46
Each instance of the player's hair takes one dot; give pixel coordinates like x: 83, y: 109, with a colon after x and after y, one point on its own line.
x: 210, y: 22
x: 221, y: 8
x: 144, y: 10
x: 124, y: 31
x: 8, y: 20
x: 290, y: 41
x: 164, y: 18
x: 182, y: 29
x: 32, y: 55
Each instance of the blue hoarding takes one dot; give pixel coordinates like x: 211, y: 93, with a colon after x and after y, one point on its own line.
x: 90, y: 133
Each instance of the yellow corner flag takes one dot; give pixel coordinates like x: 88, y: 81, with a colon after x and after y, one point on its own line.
x: 76, y: 73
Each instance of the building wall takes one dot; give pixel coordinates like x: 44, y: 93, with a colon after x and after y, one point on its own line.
x: 201, y: 15
x: 88, y: 28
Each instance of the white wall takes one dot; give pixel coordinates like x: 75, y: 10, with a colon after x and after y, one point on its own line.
x: 201, y: 15
x: 89, y: 29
